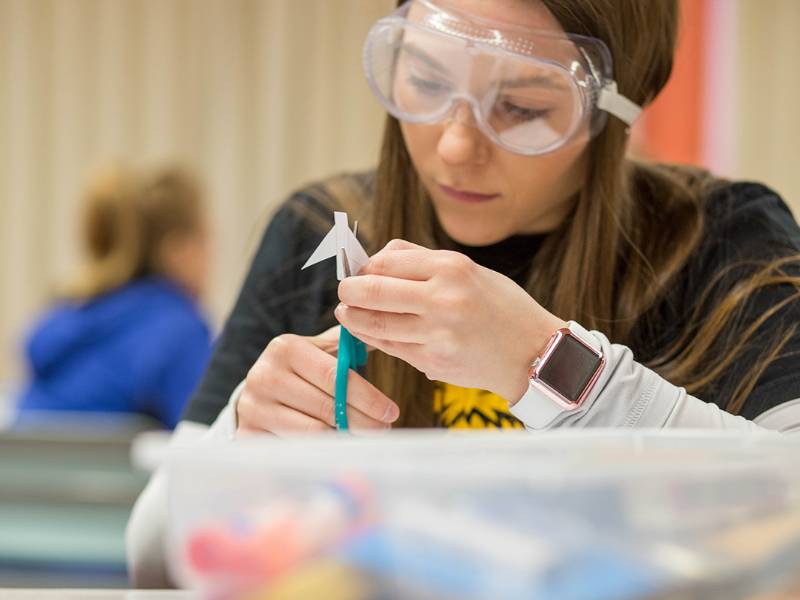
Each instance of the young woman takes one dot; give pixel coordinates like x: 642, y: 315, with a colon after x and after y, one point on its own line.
x: 504, y: 182
x: 127, y: 335
x: 525, y: 272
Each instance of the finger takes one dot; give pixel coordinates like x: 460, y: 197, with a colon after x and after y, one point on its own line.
x: 283, y: 420
x: 406, y: 352
x: 358, y: 421
x: 329, y: 335
x: 382, y: 325
x: 328, y: 340
x: 400, y: 244
x: 413, y: 263
x: 276, y: 418
x: 319, y: 369
x: 389, y: 294
x: 288, y: 421
x: 301, y: 395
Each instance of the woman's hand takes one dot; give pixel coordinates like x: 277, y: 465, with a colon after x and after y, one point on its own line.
x: 448, y: 317
x: 290, y: 389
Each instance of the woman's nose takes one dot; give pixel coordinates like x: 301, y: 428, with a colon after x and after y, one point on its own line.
x: 461, y: 141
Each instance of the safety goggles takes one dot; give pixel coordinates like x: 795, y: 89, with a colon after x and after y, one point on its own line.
x: 529, y: 91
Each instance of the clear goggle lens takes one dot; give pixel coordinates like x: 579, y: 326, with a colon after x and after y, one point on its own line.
x: 524, y: 104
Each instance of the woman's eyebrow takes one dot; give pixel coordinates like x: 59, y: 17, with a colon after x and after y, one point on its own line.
x: 546, y: 81
x: 534, y: 80
x: 424, y: 57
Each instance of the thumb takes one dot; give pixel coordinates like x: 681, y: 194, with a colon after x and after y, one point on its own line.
x: 328, y: 341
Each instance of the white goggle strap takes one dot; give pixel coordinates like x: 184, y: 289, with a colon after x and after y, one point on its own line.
x: 611, y: 101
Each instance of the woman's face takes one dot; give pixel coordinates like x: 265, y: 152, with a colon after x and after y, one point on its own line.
x: 482, y: 193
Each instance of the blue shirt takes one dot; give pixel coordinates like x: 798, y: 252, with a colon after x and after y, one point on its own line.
x: 139, y: 349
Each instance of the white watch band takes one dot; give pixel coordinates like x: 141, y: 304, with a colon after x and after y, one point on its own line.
x: 537, y: 410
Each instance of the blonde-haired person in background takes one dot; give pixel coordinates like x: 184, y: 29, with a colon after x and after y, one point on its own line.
x: 127, y: 335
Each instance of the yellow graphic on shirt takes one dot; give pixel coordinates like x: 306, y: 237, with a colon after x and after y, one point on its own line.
x: 465, y: 408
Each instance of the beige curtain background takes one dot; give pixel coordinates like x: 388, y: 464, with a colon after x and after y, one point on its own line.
x: 258, y: 96
x: 768, y: 94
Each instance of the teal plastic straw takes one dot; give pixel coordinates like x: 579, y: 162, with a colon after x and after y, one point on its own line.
x: 352, y: 354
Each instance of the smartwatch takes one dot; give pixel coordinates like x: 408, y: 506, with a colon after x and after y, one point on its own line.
x: 561, y: 377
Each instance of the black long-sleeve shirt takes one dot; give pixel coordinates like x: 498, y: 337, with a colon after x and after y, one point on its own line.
x: 745, y: 222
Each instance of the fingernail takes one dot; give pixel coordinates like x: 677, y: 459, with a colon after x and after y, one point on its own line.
x: 392, y: 412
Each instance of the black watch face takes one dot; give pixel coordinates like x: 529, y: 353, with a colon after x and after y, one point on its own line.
x: 569, y: 368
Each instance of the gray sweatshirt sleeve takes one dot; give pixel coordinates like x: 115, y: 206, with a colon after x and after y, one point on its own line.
x: 628, y: 394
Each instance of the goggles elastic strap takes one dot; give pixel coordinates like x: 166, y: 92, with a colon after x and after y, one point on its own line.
x: 613, y: 102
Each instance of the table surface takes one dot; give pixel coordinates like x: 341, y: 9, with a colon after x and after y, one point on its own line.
x: 78, y: 594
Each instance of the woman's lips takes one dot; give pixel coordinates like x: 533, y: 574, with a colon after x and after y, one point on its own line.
x: 463, y: 196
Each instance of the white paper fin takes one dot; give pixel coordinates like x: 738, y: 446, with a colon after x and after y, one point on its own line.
x: 356, y: 255
x: 340, y: 237
x: 326, y: 249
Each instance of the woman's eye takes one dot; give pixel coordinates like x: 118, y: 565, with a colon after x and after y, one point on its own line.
x: 427, y: 86
x: 521, y: 113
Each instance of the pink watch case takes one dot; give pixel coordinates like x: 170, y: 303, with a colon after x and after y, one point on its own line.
x: 542, y: 362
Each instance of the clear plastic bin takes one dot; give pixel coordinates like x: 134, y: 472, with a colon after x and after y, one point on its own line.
x: 567, y: 515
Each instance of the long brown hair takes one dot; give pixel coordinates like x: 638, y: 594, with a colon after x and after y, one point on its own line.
x: 607, y: 264
x: 125, y: 218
